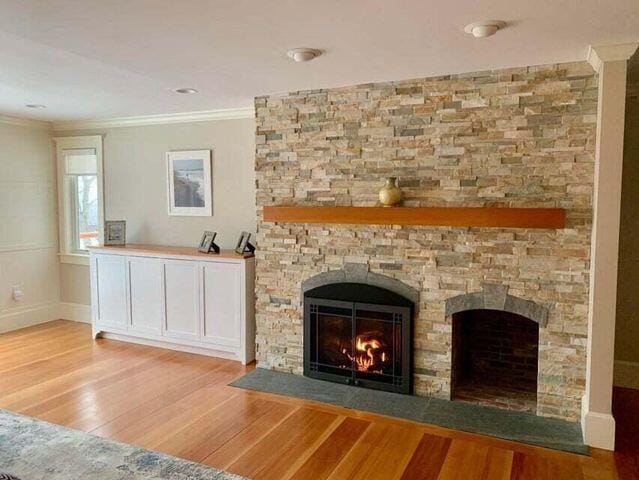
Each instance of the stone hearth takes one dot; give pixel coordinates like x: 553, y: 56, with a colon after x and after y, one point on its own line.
x: 519, y: 137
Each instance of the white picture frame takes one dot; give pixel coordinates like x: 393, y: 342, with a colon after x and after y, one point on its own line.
x: 189, y: 183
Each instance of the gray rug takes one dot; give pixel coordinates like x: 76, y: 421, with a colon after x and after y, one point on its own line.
x: 506, y: 424
x: 31, y: 449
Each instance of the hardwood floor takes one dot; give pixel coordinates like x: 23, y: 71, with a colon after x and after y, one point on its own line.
x: 180, y: 404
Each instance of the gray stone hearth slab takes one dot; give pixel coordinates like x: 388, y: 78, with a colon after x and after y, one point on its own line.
x: 509, y: 425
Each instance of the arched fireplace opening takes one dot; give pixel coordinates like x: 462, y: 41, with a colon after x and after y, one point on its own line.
x: 494, y: 359
x: 358, y: 334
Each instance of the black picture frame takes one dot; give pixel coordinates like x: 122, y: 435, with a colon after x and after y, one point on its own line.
x: 243, y: 245
x: 207, y: 243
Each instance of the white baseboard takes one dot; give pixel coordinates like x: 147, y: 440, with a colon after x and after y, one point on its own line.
x: 598, y: 428
x: 16, y: 318
x: 76, y: 312
x: 168, y: 345
x: 626, y: 374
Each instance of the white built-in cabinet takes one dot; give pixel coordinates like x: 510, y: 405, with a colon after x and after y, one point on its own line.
x: 146, y: 294
x: 111, y: 291
x: 182, y: 284
x: 175, y: 297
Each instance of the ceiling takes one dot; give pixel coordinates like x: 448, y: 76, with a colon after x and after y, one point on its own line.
x: 94, y: 59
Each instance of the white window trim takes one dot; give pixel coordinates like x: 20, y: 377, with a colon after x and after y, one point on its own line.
x: 65, y: 233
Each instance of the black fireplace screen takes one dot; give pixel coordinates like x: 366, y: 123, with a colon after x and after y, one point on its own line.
x: 358, y: 334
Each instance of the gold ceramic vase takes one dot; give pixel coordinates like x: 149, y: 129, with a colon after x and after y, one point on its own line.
x: 390, y: 194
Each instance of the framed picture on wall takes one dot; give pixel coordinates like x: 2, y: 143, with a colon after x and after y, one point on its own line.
x: 189, y: 189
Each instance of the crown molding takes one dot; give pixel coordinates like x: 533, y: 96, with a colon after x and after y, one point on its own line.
x: 25, y: 122
x: 187, y: 117
x: 597, y: 55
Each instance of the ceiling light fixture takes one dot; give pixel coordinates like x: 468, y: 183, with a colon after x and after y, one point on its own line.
x: 484, y: 29
x: 185, y: 90
x: 303, y: 54
x: 35, y: 105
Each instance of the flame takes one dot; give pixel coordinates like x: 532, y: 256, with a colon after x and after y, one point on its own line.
x: 364, y: 362
x: 364, y: 345
x: 365, y: 358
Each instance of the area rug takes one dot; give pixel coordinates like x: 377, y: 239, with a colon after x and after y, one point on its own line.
x: 31, y: 449
x: 506, y: 424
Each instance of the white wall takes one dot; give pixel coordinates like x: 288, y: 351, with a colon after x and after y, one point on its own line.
x: 28, y: 226
x: 135, y: 187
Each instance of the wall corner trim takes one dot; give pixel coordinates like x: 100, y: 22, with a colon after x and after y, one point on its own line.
x: 597, y: 55
x: 597, y: 421
x: 598, y: 428
x: 186, y: 117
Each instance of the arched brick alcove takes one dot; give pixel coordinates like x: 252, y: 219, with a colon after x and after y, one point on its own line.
x: 495, y: 348
x: 496, y: 297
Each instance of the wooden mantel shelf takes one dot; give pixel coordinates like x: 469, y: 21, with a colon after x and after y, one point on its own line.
x: 504, y: 217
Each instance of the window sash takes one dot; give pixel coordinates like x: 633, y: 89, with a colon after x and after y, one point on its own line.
x: 80, y: 161
x: 75, y: 213
x: 78, y: 157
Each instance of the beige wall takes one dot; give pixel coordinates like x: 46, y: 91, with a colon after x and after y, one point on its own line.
x: 627, y: 329
x: 28, y: 226
x: 74, y: 284
x: 135, y: 187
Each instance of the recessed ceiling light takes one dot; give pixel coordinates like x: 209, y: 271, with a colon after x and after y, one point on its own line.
x: 303, y: 54
x: 484, y: 29
x: 185, y: 90
x: 35, y: 105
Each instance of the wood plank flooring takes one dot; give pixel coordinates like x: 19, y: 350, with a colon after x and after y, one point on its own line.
x: 180, y: 404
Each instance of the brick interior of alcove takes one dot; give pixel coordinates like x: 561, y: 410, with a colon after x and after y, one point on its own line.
x: 520, y: 137
x: 495, y: 357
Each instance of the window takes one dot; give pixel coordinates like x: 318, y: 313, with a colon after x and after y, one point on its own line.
x: 79, y: 196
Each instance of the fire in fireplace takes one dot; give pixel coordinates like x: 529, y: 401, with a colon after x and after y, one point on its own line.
x: 358, y: 334
x: 370, y: 355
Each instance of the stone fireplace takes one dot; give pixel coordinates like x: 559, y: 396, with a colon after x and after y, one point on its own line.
x: 520, y: 137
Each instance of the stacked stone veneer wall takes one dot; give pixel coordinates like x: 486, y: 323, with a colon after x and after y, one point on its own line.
x: 520, y: 137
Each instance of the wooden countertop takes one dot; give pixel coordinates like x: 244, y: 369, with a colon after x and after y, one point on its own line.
x: 166, y: 251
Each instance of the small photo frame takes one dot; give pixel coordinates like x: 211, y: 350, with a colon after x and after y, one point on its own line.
x: 243, y: 245
x: 115, y: 232
x: 207, y: 243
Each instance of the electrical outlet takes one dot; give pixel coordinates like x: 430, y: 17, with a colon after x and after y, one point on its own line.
x: 17, y: 293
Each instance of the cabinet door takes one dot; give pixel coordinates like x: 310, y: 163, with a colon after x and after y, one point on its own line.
x: 181, y: 285
x: 146, y: 294
x: 109, y: 275
x: 222, y: 292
